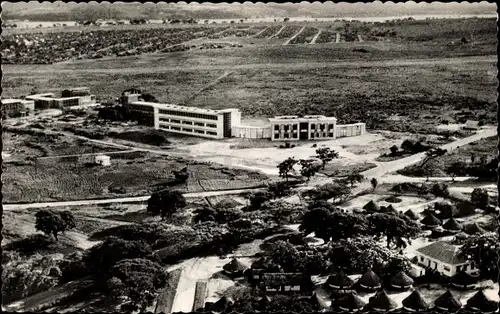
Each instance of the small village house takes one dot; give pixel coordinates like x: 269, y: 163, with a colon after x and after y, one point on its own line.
x: 370, y: 281
x: 401, y: 281
x: 103, y: 160
x: 234, y: 268
x: 444, y: 258
x: 471, y: 125
x: 381, y: 302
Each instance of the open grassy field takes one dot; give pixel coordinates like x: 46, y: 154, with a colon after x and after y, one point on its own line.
x: 351, y: 80
x: 54, y: 180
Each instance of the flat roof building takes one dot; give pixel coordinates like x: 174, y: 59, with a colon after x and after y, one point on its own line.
x: 179, y: 119
x: 294, y: 128
x: 16, y: 107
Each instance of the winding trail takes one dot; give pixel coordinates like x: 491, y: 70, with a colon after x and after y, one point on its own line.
x: 277, y: 33
x: 294, y: 36
x: 137, y: 199
x: 313, y: 41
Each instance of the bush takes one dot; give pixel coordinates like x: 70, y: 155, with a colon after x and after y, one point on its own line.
x: 440, y: 189
x: 480, y: 198
x: 30, y: 245
x: 393, y: 199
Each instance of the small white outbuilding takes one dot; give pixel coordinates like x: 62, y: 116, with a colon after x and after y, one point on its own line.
x: 103, y: 160
x: 471, y: 125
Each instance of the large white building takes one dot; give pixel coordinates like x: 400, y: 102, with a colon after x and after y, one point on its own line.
x: 194, y: 121
x: 226, y: 123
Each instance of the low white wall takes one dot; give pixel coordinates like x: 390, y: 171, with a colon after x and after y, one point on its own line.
x: 251, y: 131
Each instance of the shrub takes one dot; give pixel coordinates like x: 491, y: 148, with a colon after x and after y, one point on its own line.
x: 30, y: 245
x: 480, y: 198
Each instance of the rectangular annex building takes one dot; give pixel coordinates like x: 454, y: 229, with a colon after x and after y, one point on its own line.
x: 294, y: 128
x: 317, y: 127
x: 193, y: 121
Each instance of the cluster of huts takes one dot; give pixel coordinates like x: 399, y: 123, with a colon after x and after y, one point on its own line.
x: 344, y: 295
x: 429, y: 221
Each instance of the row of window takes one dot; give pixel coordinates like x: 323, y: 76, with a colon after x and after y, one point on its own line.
x: 189, y: 114
x: 286, y: 135
x: 176, y: 128
x: 141, y: 108
x: 313, y: 135
x: 286, y: 127
x: 446, y: 268
x: 208, y: 125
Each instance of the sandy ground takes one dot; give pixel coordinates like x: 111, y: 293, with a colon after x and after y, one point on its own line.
x: 266, y: 159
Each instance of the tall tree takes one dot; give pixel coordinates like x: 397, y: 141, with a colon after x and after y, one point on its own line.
x: 456, y: 169
x: 308, y: 168
x: 326, y: 154
x: 333, y: 225
x: 166, y: 203
x: 397, y: 228
x: 374, y: 183
x: 286, y: 167
x: 139, y: 280
x: 354, y: 178
x: 483, y: 251
x: 52, y: 223
x: 337, y: 190
x: 480, y: 198
x: 432, y: 154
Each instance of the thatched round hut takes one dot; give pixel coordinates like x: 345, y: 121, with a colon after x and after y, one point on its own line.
x: 234, y: 268
x: 415, y: 302
x: 401, y: 281
x: 481, y: 303
x: 370, y: 281
x: 339, y: 281
x: 452, y: 226
x: 381, y: 302
x: 447, y: 302
x: 463, y: 280
x: 350, y: 302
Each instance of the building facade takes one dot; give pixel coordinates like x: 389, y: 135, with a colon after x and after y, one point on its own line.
x: 193, y: 121
x: 295, y: 128
x: 17, y: 107
x: 49, y: 100
x: 444, y: 258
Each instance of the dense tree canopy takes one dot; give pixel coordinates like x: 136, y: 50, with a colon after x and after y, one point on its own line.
x: 337, y: 190
x: 328, y: 224
x: 326, y: 154
x: 286, y: 167
x: 102, y: 257
x: 398, y: 229
x: 52, y: 222
x: 480, y: 198
x: 166, y: 203
x: 138, y: 279
x: 483, y: 250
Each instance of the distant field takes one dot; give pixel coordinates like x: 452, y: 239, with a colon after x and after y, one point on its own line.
x: 44, y: 182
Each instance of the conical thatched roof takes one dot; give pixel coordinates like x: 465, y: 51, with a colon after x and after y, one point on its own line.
x: 481, y: 302
x: 415, y: 301
x: 234, y: 266
x: 401, y: 280
x: 463, y: 279
x: 448, y: 302
x: 371, y: 206
x: 381, y: 301
x: 350, y: 301
x: 412, y: 214
x: 369, y: 279
x: 453, y: 225
x: 340, y: 280
x: 390, y: 209
x: 430, y: 220
x: 473, y: 229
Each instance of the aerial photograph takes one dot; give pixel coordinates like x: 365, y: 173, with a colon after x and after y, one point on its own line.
x: 249, y: 157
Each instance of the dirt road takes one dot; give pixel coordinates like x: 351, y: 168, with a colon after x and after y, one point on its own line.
x: 120, y: 200
x: 297, y: 64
